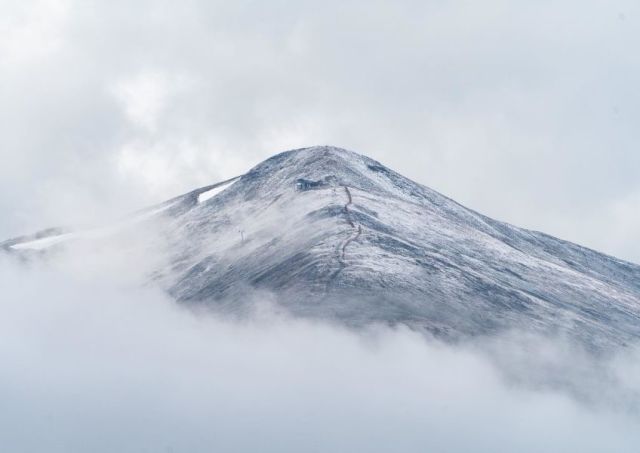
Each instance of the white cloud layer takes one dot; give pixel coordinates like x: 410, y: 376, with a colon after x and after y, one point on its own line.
x: 524, y: 110
x: 91, y: 362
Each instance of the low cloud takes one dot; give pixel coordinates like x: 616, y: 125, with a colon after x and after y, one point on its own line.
x: 92, y: 362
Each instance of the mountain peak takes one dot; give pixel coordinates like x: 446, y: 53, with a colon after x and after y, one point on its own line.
x: 324, y: 167
x: 321, y: 152
x: 334, y: 234
x: 316, y: 160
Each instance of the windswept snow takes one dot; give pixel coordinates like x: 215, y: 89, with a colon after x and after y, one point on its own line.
x: 94, y: 233
x: 42, y: 243
x: 149, y: 213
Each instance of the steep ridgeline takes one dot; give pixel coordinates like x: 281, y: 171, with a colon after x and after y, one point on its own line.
x: 331, y: 234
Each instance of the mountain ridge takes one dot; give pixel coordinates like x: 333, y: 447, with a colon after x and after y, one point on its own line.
x: 334, y: 234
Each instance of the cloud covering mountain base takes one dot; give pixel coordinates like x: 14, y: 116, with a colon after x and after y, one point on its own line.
x: 93, y: 363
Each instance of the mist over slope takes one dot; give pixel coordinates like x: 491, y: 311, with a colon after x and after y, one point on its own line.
x: 92, y: 362
x: 338, y: 236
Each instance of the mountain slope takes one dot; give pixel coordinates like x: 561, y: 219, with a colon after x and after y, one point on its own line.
x: 333, y: 234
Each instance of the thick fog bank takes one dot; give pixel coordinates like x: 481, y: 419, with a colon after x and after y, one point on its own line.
x: 91, y: 362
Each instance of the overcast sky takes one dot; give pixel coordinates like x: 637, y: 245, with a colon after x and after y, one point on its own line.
x: 524, y: 110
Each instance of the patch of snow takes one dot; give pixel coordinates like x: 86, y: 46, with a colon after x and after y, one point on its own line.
x: 204, y: 196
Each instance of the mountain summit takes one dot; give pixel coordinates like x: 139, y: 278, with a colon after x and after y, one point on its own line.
x: 335, y: 235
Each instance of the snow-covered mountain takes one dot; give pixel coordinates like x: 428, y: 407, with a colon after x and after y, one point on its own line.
x: 332, y: 234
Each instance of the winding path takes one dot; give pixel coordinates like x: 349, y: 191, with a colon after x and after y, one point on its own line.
x: 358, y: 230
x: 342, y: 248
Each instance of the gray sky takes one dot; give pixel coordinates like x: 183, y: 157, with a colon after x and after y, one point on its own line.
x: 524, y: 110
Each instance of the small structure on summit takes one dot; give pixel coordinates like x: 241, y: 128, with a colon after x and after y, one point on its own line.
x: 306, y: 184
